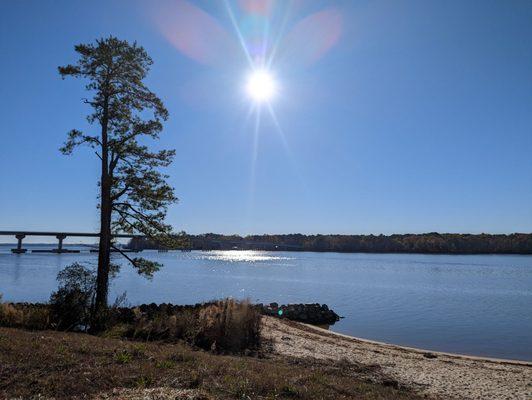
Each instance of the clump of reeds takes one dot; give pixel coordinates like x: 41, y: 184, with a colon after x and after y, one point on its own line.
x: 29, y: 316
x: 164, y: 326
x: 229, y: 326
x: 226, y: 326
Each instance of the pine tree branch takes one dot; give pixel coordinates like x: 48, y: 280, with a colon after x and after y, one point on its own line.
x: 120, y: 193
x: 132, y: 261
x: 143, y: 219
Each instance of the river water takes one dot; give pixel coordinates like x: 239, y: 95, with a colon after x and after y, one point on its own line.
x: 471, y: 304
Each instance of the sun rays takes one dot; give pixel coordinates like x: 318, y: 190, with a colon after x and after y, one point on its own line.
x: 264, y: 41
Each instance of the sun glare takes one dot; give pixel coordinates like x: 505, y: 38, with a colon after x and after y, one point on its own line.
x: 261, y: 86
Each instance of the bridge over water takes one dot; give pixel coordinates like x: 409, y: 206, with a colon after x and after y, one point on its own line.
x: 60, y: 236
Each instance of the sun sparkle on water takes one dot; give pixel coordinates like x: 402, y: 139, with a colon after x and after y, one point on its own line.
x: 242, y: 256
x: 261, y: 86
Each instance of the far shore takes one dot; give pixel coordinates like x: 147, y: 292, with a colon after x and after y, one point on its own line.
x: 434, y: 253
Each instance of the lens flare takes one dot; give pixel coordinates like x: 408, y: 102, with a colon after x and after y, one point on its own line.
x: 264, y: 29
x: 261, y: 86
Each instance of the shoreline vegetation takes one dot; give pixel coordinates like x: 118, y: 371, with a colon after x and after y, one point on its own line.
x: 220, y: 350
x: 426, y: 243
x: 294, y: 361
x: 207, y: 351
x: 66, y: 365
x: 223, y: 326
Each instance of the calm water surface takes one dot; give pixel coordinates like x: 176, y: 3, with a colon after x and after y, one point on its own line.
x: 480, y: 305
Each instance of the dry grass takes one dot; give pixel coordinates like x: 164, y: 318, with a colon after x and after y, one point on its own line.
x: 229, y: 325
x: 225, y: 326
x: 73, y: 365
x: 25, y: 316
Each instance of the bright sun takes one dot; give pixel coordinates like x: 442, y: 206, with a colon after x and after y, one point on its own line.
x: 261, y: 86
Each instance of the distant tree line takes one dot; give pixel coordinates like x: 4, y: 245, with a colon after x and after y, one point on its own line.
x: 437, y: 243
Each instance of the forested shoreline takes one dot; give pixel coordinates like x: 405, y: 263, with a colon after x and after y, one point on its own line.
x: 430, y: 243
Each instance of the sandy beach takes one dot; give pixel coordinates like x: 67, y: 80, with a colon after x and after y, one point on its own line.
x: 437, y: 375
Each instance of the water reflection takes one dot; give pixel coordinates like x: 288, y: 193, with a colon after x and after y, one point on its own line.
x: 242, y: 256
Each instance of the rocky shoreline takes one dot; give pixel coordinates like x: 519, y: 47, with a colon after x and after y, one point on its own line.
x: 312, y: 313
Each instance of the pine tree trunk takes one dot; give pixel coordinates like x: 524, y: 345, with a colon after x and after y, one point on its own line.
x: 102, y: 280
x: 104, y: 250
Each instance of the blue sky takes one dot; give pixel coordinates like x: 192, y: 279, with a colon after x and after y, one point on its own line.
x: 414, y: 116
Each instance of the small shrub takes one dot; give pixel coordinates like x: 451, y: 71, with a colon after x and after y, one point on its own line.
x: 123, y: 357
x: 71, y: 305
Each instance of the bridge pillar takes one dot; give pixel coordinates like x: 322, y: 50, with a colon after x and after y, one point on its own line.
x: 60, y: 237
x: 19, y: 249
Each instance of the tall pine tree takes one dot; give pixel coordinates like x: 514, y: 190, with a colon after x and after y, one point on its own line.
x: 134, y: 195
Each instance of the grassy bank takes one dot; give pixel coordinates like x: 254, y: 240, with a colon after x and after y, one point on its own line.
x: 225, y: 326
x: 69, y: 365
